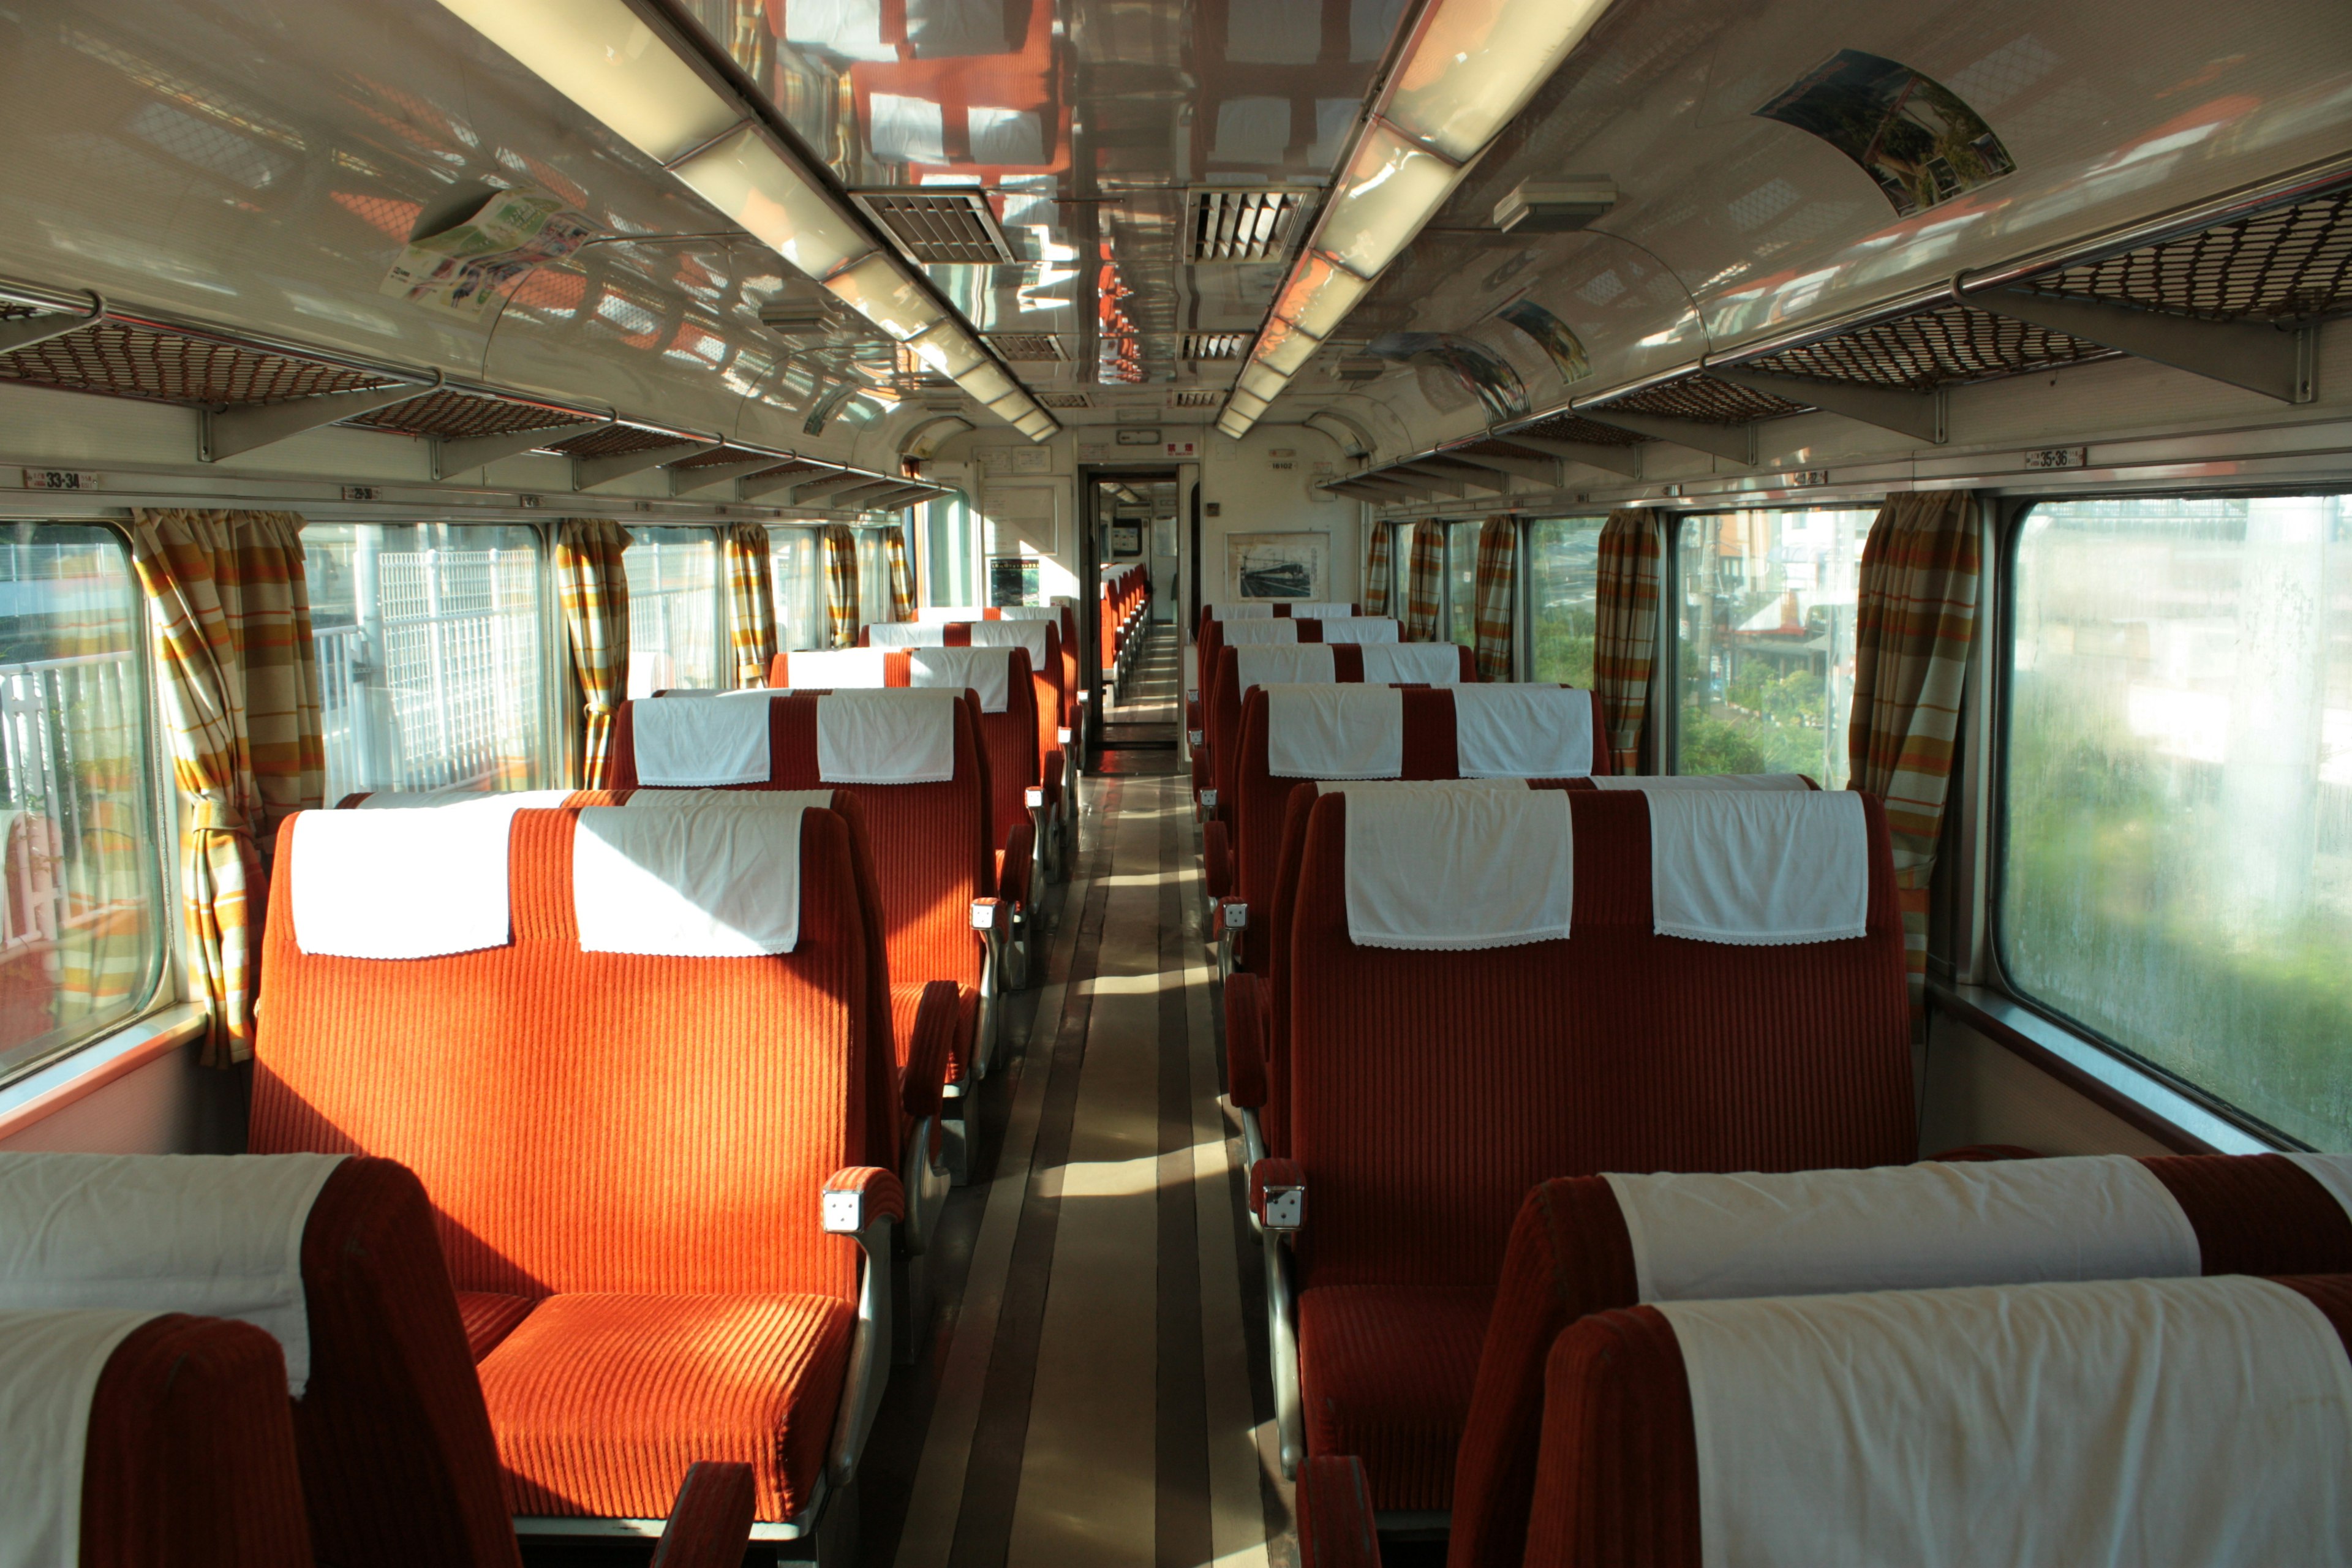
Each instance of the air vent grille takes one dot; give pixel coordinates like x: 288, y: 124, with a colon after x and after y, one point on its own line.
x: 1214, y: 345
x: 1195, y: 399
x: 1239, y: 225
x: 1028, y: 347
x: 1063, y: 399
x: 939, y: 226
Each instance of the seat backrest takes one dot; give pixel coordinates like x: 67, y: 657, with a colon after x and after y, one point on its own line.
x: 1572, y: 1253
x: 1431, y: 1089
x: 1223, y: 717
x: 591, y: 1120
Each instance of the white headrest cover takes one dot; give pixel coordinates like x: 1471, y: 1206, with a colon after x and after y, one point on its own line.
x: 1314, y: 610
x: 1241, y: 612
x: 520, y: 800
x: 1652, y: 783
x: 1295, y: 665
x: 1029, y: 613
x: 1348, y: 731
x: 715, y: 876
x: 1453, y: 866
x: 986, y: 670
x: 1026, y: 635
x: 1412, y: 664
x: 1360, y: 630
x: 839, y: 669
x: 1530, y: 732
x: 1258, y: 634
x: 1758, y: 868
x: 49, y: 1366
x: 219, y: 1236
x: 415, y: 883
x: 886, y: 737
x: 721, y: 740
x: 940, y: 614
x: 905, y: 634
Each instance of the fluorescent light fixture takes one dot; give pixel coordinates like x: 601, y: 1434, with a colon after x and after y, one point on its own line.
x: 1232, y: 424
x: 1262, y: 380
x: 1319, y: 295
x: 1283, y: 348
x: 986, y: 382
x: 1012, y: 406
x: 603, y: 56
x: 1248, y: 404
x: 1038, y: 426
x: 1476, y: 65
x: 1391, y: 187
x: 878, y: 290
x: 947, y: 350
x: 748, y: 177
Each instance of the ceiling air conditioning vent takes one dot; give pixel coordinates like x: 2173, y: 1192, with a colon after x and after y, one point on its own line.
x: 1029, y: 347
x: 935, y: 226
x: 1554, y: 206
x: 1063, y: 399
x: 1195, y: 399
x: 1216, y: 345
x: 1236, y: 224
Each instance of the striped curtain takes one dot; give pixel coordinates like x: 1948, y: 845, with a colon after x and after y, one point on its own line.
x: 1426, y: 582
x: 594, y: 594
x: 750, y: 603
x: 1380, y: 570
x: 1915, y: 620
x: 1499, y: 577
x: 1625, y: 630
x: 902, y: 574
x: 840, y: 583
x: 238, y: 677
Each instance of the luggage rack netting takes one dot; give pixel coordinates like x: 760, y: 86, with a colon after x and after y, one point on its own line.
x: 116, y: 360
x: 1704, y: 399
x: 2289, y: 264
x: 453, y: 416
x: 1932, y: 348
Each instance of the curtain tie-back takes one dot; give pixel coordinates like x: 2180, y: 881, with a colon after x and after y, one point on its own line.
x: 210, y: 814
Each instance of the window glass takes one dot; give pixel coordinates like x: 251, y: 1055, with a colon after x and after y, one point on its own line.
x: 673, y: 609
x: 948, y: 527
x: 2176, y: 861
x: 797, y: 567
x: 1462, y: 583
x: 432, y: 663
x: 1766, y: 662
x: 82, y: 936
x: 873, y: 578
x: 1563, y: 571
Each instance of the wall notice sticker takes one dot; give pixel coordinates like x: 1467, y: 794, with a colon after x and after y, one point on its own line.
x: 462, y: 267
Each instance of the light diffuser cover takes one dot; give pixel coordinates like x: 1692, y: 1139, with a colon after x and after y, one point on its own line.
x: 1391, y: 187
x: 876, y: 290
x: 747, y: 177
x: 601, y: 56
x: 1476, y: 63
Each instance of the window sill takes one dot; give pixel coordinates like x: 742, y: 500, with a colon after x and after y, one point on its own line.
x: 2112, y: 1081
x: 84, y: 1072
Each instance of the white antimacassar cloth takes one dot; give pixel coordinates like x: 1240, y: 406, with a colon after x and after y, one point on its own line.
x: 947, y: 615
x: 1027, y: 636
x: 420, y: 882
x: 1522, y: 731
x: 1902, y: 1228
x: 713, y: 877
x: 1322, y: 610
x: 1360, y: 630
x: 886, y: 737
x: 49, y: 1366
x: 2332, y: 1172
x: 1334, y: 731
x: 1241, y: 612
x: 457, y: 794
x: 1758, y: 868
x: 1412, y: 664
x: 906, y: 633
x: 1657, y: 783
x: 720, y: 740
x: 1458, y: 865
x: 839, y: 669
x: 1297, y: 664
x: 1029, y: 613
x: 219, y: 1236
x: 1258, y: 634
x: 2160, y: 1423
x: 985, y: 670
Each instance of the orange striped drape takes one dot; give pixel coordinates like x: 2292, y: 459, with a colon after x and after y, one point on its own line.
x: 902, y: 574
x: 238, y: 677
x: 750, y: 603
x: 840, y: 583
x: 1380, y: 570
x: 1425, y: 584
x: 1914, y: 622
x: 594, y: 594
x: 1625, y: 630
x: 1498, y: 580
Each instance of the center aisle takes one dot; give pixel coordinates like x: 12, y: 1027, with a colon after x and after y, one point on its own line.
x: 1092, y: 1402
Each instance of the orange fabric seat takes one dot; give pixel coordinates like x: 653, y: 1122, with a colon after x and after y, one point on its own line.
x: 600, y: 1401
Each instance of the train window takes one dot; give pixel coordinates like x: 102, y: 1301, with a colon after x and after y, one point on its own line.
x: 432, y: 659
x: 1462, y: 582
x: 797, y: 569
x: 673, y: 609
x: 1765, y: 649
x: 81, y: 935
x: 1563, y: 560
x: 2177, y: 854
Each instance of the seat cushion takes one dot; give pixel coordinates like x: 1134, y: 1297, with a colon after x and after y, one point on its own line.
x: 489, y: 1316
x: 600, y: 1402
x: 1386, y: 1371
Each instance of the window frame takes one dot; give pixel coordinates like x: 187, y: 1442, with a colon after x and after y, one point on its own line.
x: 1992, y: 960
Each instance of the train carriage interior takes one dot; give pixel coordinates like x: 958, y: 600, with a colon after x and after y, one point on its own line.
x: 1191, y: 783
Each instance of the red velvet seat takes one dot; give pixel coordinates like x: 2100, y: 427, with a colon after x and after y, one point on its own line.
x: 1226, y: 703
x: 1391, y: 1378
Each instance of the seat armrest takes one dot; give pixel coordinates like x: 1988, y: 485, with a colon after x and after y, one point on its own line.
x: 864, y: 1202
x: 1228, y: 916
x: 1336, y: 1528
x: 1246, y: 1027
x: 710, y: 1520
x: 938, y: 1016
x: 1217, y: 854
x: 857, y: 1195
x: 1020, y: 849
x: 990, y: 915
x: 1279, y: 1195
